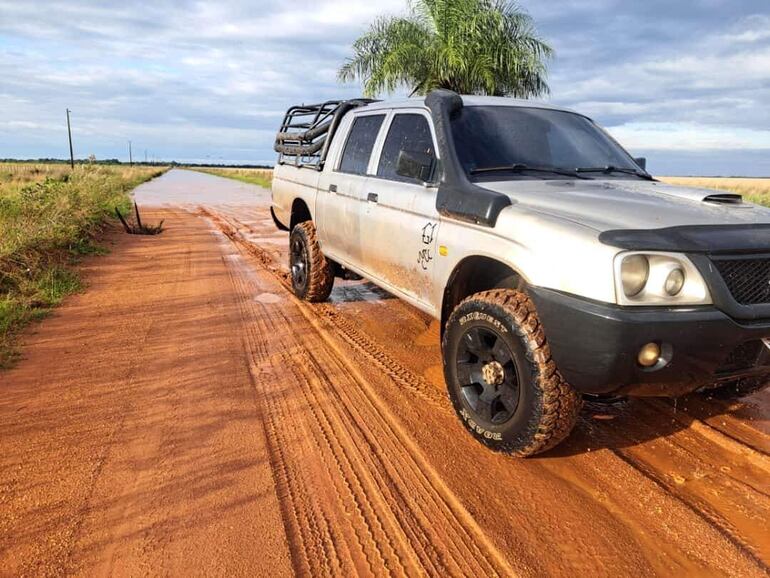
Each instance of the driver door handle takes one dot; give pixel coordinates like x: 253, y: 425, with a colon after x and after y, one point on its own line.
x: 372, y: 197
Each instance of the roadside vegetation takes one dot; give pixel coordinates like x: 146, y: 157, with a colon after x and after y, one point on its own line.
x: 50, y: 215
x: 753, y: 190
x: 260, y: 177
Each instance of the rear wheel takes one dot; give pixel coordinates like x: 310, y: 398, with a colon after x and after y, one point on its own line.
x: 312, y: 275
x: 502, y: 381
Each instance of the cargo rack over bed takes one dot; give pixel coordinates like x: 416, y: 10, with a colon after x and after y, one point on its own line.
x: 307, y: 130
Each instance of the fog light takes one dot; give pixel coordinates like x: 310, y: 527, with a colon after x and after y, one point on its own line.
x: 649, y: 355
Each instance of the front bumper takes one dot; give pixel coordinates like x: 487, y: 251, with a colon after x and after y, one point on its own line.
x: 595, y: 345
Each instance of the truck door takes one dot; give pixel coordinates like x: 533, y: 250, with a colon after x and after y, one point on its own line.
x: 341, y: 188
x: 399, y: 217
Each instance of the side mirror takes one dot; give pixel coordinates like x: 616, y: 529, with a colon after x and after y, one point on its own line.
x: 642, y: 162
x: 415, y: 165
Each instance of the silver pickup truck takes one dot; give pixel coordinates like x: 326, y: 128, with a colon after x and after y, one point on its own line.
x: 557, y: 266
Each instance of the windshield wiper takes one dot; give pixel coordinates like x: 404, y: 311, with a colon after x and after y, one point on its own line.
x: 520, y: 167
x: 611, y: 169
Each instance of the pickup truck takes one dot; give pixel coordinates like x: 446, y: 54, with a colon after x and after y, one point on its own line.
x: 559, y: 268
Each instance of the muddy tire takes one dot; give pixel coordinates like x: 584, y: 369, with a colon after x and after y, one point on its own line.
x: 312, y: 275
x: 501, y: 379
x: 738, y: 388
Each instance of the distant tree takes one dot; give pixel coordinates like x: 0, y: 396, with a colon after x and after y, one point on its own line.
x: 469, y: 46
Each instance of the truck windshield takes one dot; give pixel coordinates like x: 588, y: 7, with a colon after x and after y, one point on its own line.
x: 495, y: 141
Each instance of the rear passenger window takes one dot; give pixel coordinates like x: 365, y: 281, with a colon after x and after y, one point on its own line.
x: 358, y: 148
x: 408, y: 132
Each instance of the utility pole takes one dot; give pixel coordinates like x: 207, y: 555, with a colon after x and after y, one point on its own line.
x: 145, y: 156
x: 130, y: 157
x: 69, y: 133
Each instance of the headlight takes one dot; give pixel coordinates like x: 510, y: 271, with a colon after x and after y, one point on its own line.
x: 634, y: 271
x: 647, y: 278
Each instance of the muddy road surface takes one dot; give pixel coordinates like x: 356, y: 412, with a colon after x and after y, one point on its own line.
x: 188, y: 416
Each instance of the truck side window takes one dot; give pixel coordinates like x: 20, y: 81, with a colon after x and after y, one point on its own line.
x: 408, y: 132
x: 358, y: 148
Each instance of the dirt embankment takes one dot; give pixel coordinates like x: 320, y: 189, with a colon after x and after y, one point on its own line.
x: 187, y: 415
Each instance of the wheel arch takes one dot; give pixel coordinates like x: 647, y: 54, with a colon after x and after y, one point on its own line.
x: 300, y: 212
x: 474, y: 274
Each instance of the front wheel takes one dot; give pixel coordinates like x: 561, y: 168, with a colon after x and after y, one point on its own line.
x: 502, y: 381
x: 312, y: 275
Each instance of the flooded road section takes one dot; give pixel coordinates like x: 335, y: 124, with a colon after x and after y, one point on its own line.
x: 250, y: 426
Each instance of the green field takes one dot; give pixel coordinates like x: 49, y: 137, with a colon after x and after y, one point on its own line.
x: 50, y: 215
x: 261, y: 177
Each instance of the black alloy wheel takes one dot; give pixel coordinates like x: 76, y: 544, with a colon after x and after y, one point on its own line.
x: 312, y: 274
x: 299, y: 264
x: 501, y: 378
x: 487, y: 376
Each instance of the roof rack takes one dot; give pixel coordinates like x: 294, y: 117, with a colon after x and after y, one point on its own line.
x: 307, y: 131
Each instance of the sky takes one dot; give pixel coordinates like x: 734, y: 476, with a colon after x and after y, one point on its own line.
x: 685, y: 83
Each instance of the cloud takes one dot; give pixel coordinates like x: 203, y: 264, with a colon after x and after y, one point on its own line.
x: 198, y: 79
x: 700, y: 75
x: 752, y: 29
x: 689, y: 137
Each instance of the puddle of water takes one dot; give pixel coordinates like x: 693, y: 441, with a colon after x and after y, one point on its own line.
x: 190, y: 188
x: 268, y: 298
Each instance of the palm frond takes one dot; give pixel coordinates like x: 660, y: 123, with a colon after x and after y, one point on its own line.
x: 470, y: 46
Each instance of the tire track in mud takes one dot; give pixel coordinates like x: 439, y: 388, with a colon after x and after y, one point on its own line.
x: 744, y: 445
x: 328, y: 320
x: 396, y: 433
x: 403, y: 377
x: 687, y: 460
x: 358, y: 340
x: 361, y: 495
x: 312, y: 545
x: 697, y: 506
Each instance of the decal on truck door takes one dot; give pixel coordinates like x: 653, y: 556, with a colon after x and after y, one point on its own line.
x: 424, y: 255
x: 427, y: 233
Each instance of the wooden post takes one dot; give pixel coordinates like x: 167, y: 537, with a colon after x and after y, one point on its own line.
x: 138, y: 218
x: 69, y: 133
x: 122, y: 220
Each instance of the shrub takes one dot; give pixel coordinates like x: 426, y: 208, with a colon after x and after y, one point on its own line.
x: 49, y: 215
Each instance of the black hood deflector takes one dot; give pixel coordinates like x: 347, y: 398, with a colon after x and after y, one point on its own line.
x: 712, y: 239
x: 458, y: 197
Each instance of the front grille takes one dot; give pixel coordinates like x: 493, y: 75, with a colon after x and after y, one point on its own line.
x: 747, y: 279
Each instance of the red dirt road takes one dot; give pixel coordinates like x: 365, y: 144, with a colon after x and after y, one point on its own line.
x: 186, y: 415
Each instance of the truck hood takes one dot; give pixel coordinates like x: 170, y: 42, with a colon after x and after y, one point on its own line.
x: 625, y: 204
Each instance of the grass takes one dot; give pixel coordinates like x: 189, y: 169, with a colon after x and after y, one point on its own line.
x: 50, y: 216
x: 260, y: 177
x: 753, y: 190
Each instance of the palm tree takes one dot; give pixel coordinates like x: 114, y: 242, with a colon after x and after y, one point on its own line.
x: 469, y: 46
